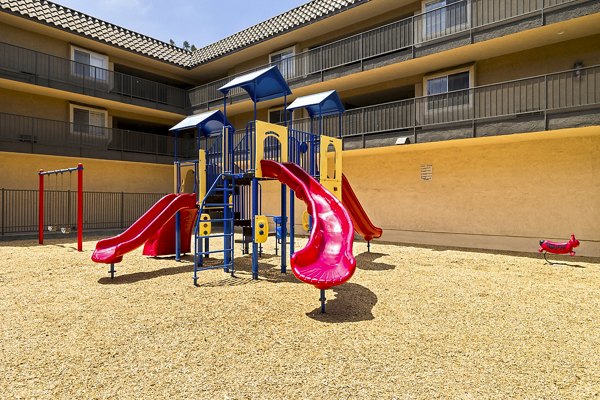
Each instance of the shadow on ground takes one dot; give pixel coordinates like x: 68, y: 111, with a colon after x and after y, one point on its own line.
x: 242, y: 275
x: 553, y: 263
x: 352, y: 303
x: 146, y: 275
x: 366, y: 261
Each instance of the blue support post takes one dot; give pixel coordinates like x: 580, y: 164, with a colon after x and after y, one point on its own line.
x: 283, y: 229
x: 254, y: 213
x: 198, y: 262
x: 178, y: 218
x: 226, y: 226
x: 292, y: 229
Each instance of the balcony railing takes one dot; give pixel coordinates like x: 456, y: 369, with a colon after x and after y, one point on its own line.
x: 405, y: 37
x: 538, y: 97
x: 37, y: 135
x: 43, y: 69
x: 544, y: 102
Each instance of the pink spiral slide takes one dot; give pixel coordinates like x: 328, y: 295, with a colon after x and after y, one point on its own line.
x: 327, y: 259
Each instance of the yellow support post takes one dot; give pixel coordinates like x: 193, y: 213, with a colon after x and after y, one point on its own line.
x: 263, y: 131
x: 332, y: 180
x: 305, y: 220
x: 175, y: 178
x: 201, y: 185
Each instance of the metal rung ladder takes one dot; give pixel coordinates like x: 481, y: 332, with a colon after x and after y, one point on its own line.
x: 201, y: 242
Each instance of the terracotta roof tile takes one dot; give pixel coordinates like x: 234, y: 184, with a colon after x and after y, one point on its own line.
x: 71, y: 20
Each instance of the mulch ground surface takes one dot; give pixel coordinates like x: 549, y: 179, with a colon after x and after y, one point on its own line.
x: 413, y: 323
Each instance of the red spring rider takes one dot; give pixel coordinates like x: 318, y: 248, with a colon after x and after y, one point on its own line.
x: 559, y: 248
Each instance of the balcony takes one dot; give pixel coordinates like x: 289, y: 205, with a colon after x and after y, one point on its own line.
x: 43, y: 136
x: 24, y: 65
x: 565, y: 99
x: 455, y: 25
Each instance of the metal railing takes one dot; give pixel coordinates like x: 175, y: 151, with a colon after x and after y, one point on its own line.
x: 562, y: 91
x: 407, y: 34
x: 102, y: 210
x: 43, y: 69
x: 36, y: 134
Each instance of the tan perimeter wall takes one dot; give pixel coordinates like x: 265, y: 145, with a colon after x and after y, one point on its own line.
x: 501, y: 193
x: 19, y: 171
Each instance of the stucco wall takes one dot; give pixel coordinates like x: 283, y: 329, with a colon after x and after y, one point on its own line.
x: 34, y: 41
x: 19, y: 171
x: 500, y: 192
x: 31, y: 105
x: 542, y: 60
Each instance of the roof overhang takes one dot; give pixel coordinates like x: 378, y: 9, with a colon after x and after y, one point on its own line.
x: 319, y: 104
x: 261, y: 85
x: 207, y: 123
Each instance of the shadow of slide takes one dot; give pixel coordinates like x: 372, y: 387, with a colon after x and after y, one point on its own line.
x: 352, y: 303
x: 142, y: 276
x: 366, y: 261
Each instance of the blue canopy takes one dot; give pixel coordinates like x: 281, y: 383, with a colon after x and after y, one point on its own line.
x: 320, y: 104
x: 264, y: 84
x: 207, y: 123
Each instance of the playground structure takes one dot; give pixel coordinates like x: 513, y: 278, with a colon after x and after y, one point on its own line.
x: 65, y: 228
x: 224, y: 182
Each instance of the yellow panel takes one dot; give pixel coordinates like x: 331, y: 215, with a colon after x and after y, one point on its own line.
x: 261, y: 229
x: 175, y: 180
x: 305, y: 220
x: 201, y: 174
x: 204, y: 226
x: 331, y: 183
x: 263, y: 131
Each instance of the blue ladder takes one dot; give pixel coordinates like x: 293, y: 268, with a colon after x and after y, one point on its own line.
x: 224, y: 184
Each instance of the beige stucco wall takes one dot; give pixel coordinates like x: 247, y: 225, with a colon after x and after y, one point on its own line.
x: 500, y: 193
x: 32, y: 105
x: 19, y: 171
x: 542, y: 60
x: 34, y: 41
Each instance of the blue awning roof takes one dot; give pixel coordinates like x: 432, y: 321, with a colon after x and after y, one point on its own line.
x: 320, y: 104
x: 264, y: 84
x: 208, y: 122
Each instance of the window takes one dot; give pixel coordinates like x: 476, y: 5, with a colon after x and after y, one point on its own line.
x: 89, y: 64
x: 277, y: 116
x: 443, y: 17
x: 449, y: 89
x: 285, y: 60
x: 88, y: 121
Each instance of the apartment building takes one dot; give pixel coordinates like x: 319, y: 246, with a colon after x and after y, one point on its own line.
x: 518, y: 81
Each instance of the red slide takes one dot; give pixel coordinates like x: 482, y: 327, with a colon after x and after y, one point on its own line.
x: 111, y: 250
x: 162, y: 243
x: 360, y: 219
x: 327, y: 259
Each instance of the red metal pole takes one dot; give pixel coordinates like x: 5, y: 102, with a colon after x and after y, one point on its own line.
x: 80, y: 207
x: 41, y: 209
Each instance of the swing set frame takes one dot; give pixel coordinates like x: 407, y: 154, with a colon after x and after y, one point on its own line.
x: 42, y: 174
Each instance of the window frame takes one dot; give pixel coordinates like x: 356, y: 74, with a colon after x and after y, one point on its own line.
x: 273, y: 109
x: 445, y: 30
x: 289, y: 73
x: 75, y: 131
x: 446, y: 73
x: 103, y: 76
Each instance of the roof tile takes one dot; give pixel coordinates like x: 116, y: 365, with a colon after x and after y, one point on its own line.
x: 53, y: 14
